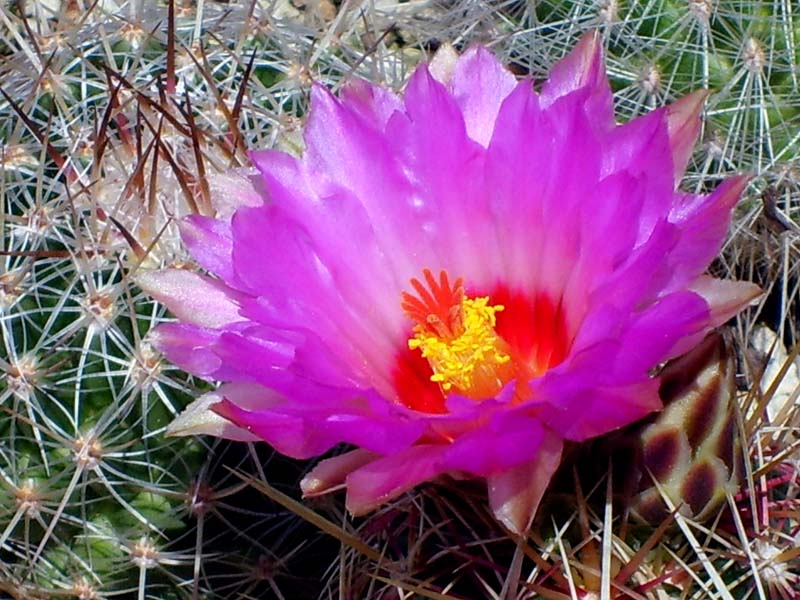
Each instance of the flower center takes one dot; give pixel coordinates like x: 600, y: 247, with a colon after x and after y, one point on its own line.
x: 457, y: 336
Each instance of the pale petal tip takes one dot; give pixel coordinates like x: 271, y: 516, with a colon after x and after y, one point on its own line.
x: 199, y: 418
x: 691, y: 103
x: 443, y: 63
x: 515, y: 495
x: 360, y: 507
x: 234, y: 189
x: 726, y: 298
x: 740, y: 182
x: 147, y: 281
x: 331, y: 474
x: 320, y: 97
x: 192, y: 297
x: 582, y: 67
x: 516, y: 517
x: 589, y: 52
x: 312, y: 486
x: 684, y: 113
x: 731, y: 190
x: 590, y: 43
x: 683, y: 127
x: 749, y: 295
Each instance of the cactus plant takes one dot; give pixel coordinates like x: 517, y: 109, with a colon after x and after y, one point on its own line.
x: 116, y: 119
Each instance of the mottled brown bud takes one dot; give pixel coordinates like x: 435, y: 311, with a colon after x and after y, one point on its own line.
x: 689, y: 451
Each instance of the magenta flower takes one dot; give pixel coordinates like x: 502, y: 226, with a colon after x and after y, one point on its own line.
x: 455, y: 281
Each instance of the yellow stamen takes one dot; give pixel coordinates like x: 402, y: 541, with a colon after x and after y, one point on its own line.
x: 457, y: 336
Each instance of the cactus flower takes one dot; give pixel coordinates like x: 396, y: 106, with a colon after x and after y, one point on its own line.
x: 455, y: 281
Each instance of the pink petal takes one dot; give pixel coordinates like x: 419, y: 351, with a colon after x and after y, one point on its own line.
x: 703, y: 222
x: 188, y: 346
x: 537, y: 189
x: 605, y: 409
x: 210, y: 243
x: 662, y: 324
x: 445, y: 167
x: 288, y: 434
x: 386, y: 478
x: 243, y: 352
x: 480, y: 84
x: 353, y: 312
x: 605, y: 385
x: 635, y: 282
x: 640, y: 149
x: 508, y: 439
x: 583, y: 69
x: 374, y: 103
x: 352, y: 196
x: 304, y: 427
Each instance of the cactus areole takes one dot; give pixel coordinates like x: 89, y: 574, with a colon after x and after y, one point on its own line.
x: 454, y: 281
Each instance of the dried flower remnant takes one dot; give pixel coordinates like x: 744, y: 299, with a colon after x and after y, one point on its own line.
x: 455, y: 281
